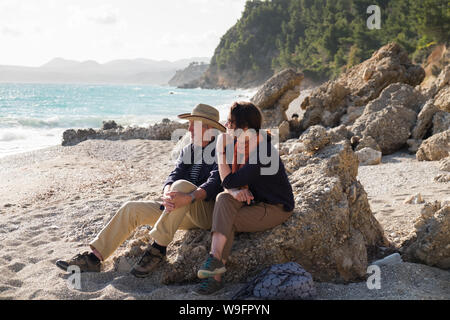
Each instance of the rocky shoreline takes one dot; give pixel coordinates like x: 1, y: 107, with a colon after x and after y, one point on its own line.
x: 375, y: 109
x: 368, y: 160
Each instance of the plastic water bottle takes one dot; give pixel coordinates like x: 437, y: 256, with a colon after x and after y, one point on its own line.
x: 389, y: 260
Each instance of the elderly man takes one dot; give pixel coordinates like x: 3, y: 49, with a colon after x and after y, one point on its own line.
x: 188, y: 201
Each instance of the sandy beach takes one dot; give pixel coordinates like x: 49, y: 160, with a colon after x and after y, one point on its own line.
x: 53, y: 201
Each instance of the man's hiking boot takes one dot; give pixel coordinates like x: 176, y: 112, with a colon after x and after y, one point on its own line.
x: 86, y: 261
x: 149, y: 261
x: 208, y: 286
x: 211, y: 268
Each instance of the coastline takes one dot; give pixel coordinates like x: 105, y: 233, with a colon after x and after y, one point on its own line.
x: 43, y: 112
x: 54, y: 200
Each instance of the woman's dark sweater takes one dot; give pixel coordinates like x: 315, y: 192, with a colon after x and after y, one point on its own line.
x: 272, y: 187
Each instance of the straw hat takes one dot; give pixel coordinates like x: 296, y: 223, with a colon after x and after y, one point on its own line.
x: 206, y: 114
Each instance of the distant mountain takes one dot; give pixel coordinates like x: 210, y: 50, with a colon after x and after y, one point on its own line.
x: 136, y: 71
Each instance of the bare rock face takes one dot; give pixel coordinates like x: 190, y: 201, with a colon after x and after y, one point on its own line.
x: 361, y: 84
x: 443, y: 78
x: 435, y: 148
x: 424, y: 120
x: 331, y: 233
x: 275, y: 96
x: 442, y: 100
x: 326, y: 105
x: 397, y: 94
x: 441, y: 122
x: 390, y: 127
x: 111, y: 131
x: 439, y: 92
x: 431, y: 242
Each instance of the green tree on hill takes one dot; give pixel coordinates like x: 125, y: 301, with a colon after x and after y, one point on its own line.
x: 325, y: 37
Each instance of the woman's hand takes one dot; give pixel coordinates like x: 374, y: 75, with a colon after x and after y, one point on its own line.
x: 242, y: 195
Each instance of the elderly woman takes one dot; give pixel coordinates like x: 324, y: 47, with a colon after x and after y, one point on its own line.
x: 257, y: 196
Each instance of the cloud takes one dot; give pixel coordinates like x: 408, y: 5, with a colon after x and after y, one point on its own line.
x: 103, y: 15
x: 10, y: 31
x: 183, y: 39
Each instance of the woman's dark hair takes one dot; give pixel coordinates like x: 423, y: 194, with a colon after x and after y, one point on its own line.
x: 246, y: 114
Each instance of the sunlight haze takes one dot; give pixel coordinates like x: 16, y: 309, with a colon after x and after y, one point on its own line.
x: 34, y: 32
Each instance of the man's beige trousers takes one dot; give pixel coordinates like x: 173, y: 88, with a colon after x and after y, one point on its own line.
x: 137, y: 213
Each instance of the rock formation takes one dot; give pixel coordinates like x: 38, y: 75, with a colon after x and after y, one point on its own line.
x: 274, y: 97
x: 440, y: 90
x: 424, y: 120
x: 332, y: 232
x: 361, y: 84
x: 431, y: 242
x: 390, y: 127
x: 110, y: 131
x: 189, y: 77
x: 435, y: 148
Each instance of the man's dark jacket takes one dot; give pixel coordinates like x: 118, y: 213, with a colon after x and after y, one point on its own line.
x: 208, y: 178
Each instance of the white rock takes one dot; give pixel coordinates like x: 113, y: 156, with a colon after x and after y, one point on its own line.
x: 416, y: 199
x: 368, y: 156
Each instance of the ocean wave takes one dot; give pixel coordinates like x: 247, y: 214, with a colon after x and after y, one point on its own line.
x: 11, y: 136
x: 71, y: 122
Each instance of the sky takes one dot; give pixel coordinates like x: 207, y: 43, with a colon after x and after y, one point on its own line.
x: 32, y: 32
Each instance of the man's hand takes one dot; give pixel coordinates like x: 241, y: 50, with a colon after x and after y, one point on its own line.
x: 242, y: 195
x: 174, y: 200
x: 167, y: 202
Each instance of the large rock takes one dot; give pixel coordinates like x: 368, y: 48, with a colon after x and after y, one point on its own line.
x: 397, y: 94
x: 435, y: 148
x: 390, y: 127
x: 110, y: 131
x: 442, y: 100
x: 440, y: 90
x: 441, y: 122
x: 431, y: 244
x: 274, y: 97
x: 332, y: 232
x: 424, y: 120
x: 343, y: 97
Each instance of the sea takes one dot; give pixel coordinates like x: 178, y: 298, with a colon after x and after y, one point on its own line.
x: 34, y: 116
